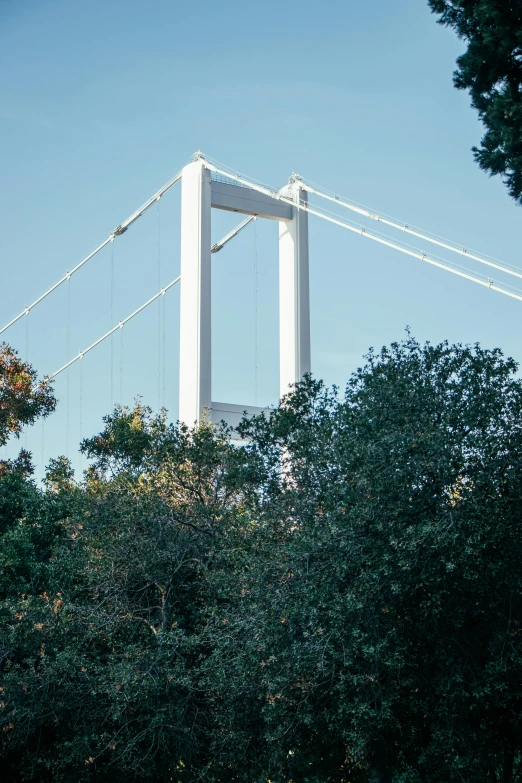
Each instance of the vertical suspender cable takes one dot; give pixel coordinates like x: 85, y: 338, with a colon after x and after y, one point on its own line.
x: 121, y: 365
x: 117, y: 232
x: 42, y: 448
x: 97, y: 342
x: 112, y: 320
x: 255, y: 312
x: 159, y: 300
x: 81, y: 410
x: 68, y: 381
x: 26, y: 334
x: 164, y: 355
x: 26, y: 356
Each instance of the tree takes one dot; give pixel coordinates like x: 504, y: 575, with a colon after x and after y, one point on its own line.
x: 29, y: 522
x: 376, y: 635
x: 23, y: 398
x: 338, y: 601
x: 115, y: 694
x: 491, y: 69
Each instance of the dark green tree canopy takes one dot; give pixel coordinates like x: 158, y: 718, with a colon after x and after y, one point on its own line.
x: 337, y: 601
x: 491, y: 69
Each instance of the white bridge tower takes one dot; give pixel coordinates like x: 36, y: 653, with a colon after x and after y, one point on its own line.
x: 201, y: 193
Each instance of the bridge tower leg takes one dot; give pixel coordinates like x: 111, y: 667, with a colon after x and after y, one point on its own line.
x: 195, y: 301
x: 294, y: 293
x: 198, y: 195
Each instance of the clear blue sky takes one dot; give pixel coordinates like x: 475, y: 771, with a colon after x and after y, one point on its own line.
x: 101, y: 102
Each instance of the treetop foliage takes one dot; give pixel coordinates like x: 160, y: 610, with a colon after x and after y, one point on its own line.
x: 491, y: 70
x: 23, y: 398
x: 338, y: 599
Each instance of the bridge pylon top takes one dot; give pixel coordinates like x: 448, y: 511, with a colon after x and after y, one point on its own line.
x: 201, y: 193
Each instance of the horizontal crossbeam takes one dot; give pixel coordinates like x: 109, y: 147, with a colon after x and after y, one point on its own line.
x: 232, y: 414
x: 248, y: 201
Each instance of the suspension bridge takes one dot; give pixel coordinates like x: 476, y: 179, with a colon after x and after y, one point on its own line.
x: 207, y: 185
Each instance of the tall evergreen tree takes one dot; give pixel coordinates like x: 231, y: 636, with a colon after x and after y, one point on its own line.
x: 491, y: 69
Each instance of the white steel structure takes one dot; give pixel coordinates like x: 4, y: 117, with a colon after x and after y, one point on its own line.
x: 207, y: 185
x: 200, y: 193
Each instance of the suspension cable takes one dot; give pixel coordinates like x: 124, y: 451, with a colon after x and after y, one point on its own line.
x: 454, y: 248
x: 261, y: 187
x: 231, y: 234
x: 120, y: 325
x: 360, y: 230
x: 118, y: 231
x: 50, y: 290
